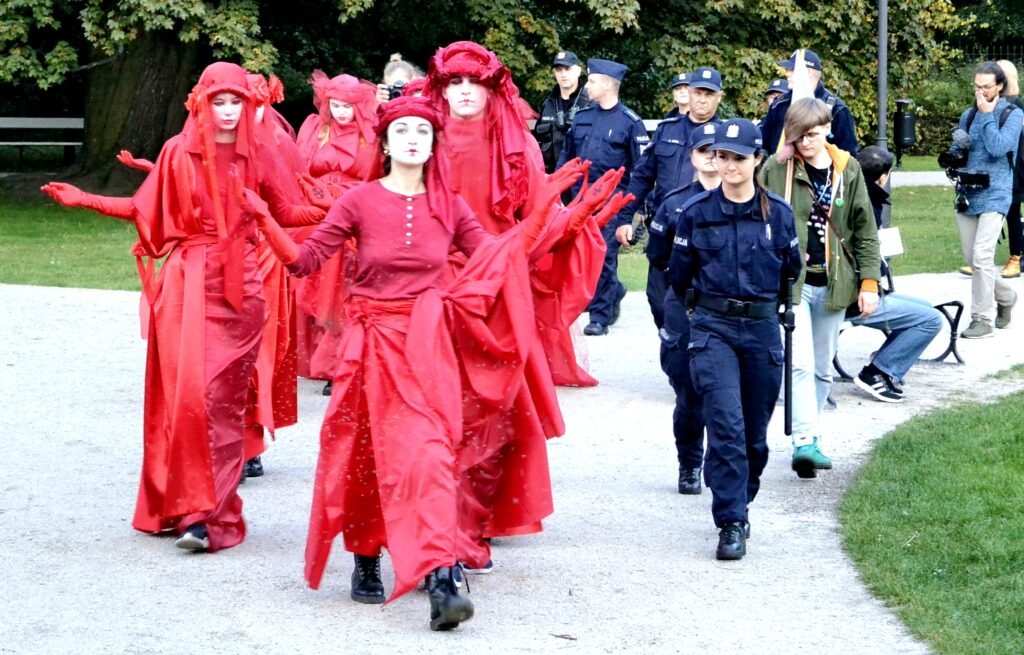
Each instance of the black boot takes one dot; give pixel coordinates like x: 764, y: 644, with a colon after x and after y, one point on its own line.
x: 689, y: 482
x: 448, y: 606
x: 254, y: 467
x: 367, y: 587
x: 732, y: 541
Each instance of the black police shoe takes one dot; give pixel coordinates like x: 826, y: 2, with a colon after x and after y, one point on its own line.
x: 595, y: 329
x: 689, y: 482
x: 732, y: 541
x: 448, y: 606
x: 367, y: 587
x: 616, y: 310
x: 194, y: 538
x: 254, y: 467
x: 328, y: 387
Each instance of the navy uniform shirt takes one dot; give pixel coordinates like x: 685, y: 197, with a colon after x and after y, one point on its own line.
x: 844, y: 135
x: 664, y: 166
x: 662, y: 231
x: 723, y: 252
x: 609, y: 138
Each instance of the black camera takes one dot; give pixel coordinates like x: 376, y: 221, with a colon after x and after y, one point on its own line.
x: 395, y: 89
x: 953, y: 160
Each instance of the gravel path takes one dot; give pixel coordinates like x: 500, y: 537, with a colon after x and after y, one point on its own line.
x: 625, y: 563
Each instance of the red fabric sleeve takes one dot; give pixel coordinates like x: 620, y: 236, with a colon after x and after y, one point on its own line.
x: 337, y: 227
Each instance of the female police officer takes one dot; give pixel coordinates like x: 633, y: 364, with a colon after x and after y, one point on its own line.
x: 734, y: 249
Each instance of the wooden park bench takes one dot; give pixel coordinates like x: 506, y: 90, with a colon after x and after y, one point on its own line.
x: 42, y: 132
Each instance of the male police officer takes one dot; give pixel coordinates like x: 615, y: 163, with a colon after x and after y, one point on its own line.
x: 844, y: 134
x: 560, y: 107
x: 680, y: 85
x: 666, y: 166
x: 610, y: 135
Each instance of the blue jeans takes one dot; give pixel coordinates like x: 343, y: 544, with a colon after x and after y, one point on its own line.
x: 912, y: 324
x: 815, y: 339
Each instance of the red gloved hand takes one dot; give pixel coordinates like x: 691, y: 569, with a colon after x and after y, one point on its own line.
x: 252, y: 204
x: 590, y: 200
x: 614, y: 206
x: 65, y: 194
x: 71, y: 196
x: 128, y: 160
x: 303, y: 215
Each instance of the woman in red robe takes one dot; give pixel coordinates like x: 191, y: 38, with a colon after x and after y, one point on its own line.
x: 498, y: 168
x: 204, y: 311
x: 388, y: 471
x: 340, y: 151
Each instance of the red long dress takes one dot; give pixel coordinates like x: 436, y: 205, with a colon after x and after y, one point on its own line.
x: 201, y: 348
x: 388, y: 472
x: 504, y: 458
x: 340, y: 157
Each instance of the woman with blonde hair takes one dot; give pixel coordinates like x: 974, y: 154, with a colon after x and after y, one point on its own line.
x: 839, y: 246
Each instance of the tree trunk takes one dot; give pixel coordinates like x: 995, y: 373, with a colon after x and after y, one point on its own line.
x: 135, y: 103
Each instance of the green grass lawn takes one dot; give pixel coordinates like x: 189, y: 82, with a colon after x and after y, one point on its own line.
x: 935, y: 524
x: 919, y: 164
x: 42, y: 243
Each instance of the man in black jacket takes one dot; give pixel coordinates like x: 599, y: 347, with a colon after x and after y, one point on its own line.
x: 560, y: 107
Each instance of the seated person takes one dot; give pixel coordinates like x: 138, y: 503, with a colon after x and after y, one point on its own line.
x: 911, y: 323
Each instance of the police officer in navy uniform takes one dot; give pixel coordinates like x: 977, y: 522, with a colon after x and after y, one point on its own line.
x: 734, y: 250
x: 609, y: 135
x: 665, y: 166
x: 560, y: 107
x: 844, y: 133
x: 775, y: 90
x: 687, y: 423
x: 680, y: 86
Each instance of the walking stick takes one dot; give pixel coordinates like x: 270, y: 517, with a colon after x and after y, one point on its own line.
x: 788, y: 323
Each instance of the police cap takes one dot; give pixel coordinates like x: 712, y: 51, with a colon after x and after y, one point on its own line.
x: 738, y: 135
x: 682, y: 79
x: 706, y: 77
x: 780, y: 85
x: 606, y: 67
x: 811, y: 58
x: 701, y: 136
x: 566, y: 58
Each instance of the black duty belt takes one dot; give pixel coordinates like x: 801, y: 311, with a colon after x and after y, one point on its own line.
x: 733, y: 307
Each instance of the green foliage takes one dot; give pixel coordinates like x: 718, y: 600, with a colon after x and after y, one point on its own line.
x: 43, y: 39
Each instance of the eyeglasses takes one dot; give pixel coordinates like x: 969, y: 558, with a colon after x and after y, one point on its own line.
x: 812, y: 135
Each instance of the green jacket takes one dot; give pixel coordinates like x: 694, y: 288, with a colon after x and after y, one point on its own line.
x: 854, y: 222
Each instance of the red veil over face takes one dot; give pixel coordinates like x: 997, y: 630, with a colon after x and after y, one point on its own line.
x: 506, y: 115
x: 362, y: 95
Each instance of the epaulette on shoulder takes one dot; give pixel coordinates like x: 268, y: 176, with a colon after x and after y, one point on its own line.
x: 632, y: 114
x: 776, y: 198
x: 703, y: 195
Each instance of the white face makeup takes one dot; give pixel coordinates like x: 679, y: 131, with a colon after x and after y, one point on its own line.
x: 227, y: 111
x: 342, y: 112
x: 410, y: 139
x: 466, y: 97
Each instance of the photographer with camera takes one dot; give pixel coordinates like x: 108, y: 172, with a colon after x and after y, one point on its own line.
x: 397, y: 74
x: 559, y: 109
x: 980, y: 163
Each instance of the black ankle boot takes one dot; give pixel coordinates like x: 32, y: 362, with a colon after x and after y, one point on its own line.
x: 254, y: 467
x: 448, y: 605
x: 367, y: 587
x: 689, y: 481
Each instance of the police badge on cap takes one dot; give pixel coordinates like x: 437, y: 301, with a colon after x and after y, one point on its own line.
x: 565, y: 58
x: 738, y: 135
